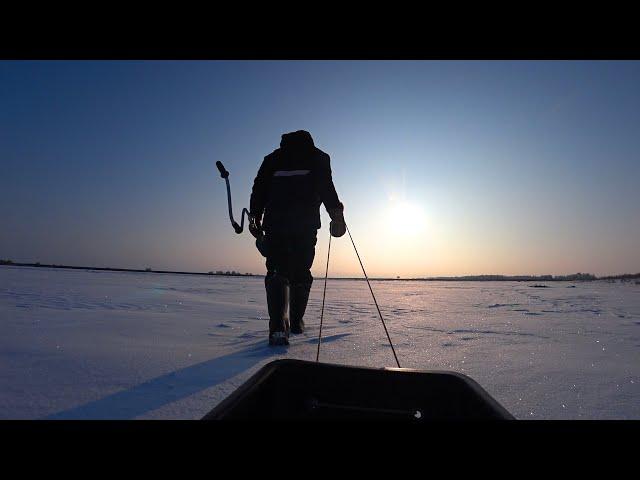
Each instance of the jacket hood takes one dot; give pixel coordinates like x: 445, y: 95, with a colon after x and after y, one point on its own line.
x: 298, y: 139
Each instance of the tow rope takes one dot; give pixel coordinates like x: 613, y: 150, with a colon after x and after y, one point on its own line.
x: 370, y: 289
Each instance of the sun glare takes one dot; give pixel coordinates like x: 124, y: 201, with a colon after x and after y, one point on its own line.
x: 404, y: 218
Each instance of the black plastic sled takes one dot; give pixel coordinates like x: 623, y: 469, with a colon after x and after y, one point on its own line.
x: 303, y: 390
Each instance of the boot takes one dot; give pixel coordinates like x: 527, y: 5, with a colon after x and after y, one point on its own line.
x: 277, y: 288
x: 298, y: 305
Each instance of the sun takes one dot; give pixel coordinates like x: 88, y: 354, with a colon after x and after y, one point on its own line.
x: 404, y: 218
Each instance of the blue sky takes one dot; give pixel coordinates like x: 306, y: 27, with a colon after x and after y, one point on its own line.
x: 445, y: 168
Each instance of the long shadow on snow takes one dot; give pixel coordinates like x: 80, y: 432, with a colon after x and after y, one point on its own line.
x: 159, y: 391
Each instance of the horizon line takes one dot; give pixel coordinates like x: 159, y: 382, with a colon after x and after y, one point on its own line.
x: 578, y: 276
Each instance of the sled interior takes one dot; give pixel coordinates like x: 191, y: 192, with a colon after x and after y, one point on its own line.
x: 303, y: 390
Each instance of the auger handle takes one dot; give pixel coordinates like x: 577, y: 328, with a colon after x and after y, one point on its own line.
x: 224, y: 174
x: 223, y: 171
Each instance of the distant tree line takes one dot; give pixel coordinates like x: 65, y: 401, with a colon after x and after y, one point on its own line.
x: 525, y: 278
x: 521, y: 278
x: 231, y: 273
x: 112, y: 269
x: 543, y: 278
x: 626, y: 276
x: 488, y: 278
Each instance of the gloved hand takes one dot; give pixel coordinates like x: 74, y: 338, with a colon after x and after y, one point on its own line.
x: 337, y: 227
x: 255, y: 226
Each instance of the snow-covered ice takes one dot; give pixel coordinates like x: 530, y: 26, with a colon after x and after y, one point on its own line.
x: 85, y: 344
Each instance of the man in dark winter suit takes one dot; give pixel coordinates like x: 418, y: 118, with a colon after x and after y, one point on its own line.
x: 291, y: 184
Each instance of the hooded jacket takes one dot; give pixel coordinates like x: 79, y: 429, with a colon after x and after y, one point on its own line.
x: 291, y: 184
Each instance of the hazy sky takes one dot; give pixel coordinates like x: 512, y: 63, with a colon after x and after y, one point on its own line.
x: 445, y: 168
